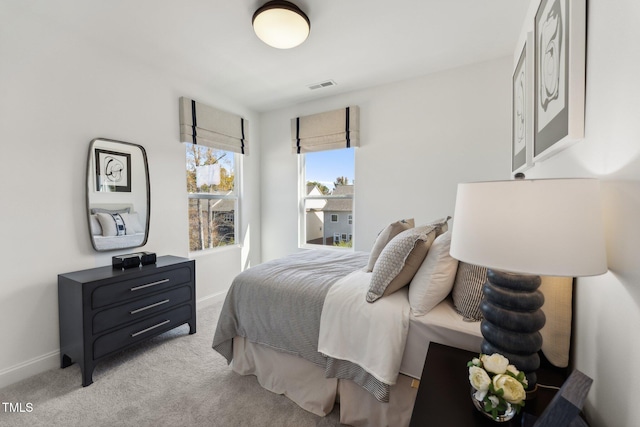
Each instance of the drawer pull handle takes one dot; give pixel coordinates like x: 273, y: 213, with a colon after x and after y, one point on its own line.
x: 138, y: 310
x: 150, y: 328
x: 148, y: 285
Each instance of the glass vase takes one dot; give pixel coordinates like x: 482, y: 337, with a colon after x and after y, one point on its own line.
x: 501, y: 417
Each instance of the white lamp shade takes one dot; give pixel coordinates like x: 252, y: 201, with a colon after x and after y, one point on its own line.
x: 550, y: 227
x: 281, y: 25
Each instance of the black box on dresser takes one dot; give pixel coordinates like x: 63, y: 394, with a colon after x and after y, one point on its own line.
x: 105, y: 310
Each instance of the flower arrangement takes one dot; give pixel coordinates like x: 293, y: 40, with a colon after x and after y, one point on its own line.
x: 499, y: 386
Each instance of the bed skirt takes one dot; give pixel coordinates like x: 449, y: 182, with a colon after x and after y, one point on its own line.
x: 305, y: 384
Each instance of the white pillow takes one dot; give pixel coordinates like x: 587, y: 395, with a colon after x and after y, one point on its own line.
x: 434, y: 279
x: 109, y: 226
x: 132, y: 222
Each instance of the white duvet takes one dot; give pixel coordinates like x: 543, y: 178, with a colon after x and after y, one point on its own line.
x: 371, y: 335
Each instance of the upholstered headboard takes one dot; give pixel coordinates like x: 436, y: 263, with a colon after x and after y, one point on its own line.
x: 558, y: 298
x: 556, y: 333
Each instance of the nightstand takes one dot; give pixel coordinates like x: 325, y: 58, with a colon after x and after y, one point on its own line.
x: 444, y: 396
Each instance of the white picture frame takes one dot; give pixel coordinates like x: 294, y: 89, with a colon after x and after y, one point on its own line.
x: 559, y: 91
x: 522, y: 104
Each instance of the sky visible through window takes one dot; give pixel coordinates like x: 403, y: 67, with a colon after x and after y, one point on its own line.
x: 326, y: 166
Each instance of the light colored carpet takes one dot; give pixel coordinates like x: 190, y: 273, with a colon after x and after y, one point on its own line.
x: 175, y: 379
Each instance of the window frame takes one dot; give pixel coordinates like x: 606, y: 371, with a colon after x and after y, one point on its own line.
x: 302, y: 200
x: 232, y: 195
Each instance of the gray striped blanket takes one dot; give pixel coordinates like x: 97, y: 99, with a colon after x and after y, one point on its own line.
x: 279, y: 304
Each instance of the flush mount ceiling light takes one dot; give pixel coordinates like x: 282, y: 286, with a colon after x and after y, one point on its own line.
x: 281, y: 24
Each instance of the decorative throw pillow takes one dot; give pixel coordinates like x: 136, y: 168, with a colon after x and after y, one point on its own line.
x: 467, y: 290
x: 132, y: 223
x: 384, y: 237
x: 110, y: 211
x: 96, y: 230
x: 112, y: 224
x: 434, y: 279
x: 399, y: 261
x: 441, y: 224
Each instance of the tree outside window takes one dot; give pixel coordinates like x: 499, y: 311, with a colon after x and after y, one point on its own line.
x: 213, y: 197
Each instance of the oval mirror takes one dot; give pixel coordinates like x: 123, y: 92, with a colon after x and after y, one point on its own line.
x: 118, y: 195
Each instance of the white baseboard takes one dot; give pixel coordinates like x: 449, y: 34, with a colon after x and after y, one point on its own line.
x: 31, y: 367
x: 51, y: 360
x: 210, y: 300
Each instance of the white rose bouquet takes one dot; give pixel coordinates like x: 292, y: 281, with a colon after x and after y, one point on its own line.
x: 498, y: 386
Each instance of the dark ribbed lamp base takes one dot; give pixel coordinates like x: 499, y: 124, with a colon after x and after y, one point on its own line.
x: 512, y: 320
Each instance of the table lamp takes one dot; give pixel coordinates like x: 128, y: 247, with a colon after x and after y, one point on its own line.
x: 520, y: 230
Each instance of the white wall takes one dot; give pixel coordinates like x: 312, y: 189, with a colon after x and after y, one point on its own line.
x: 606, y: 343
x: 419, y: 138
x: 58, y: 93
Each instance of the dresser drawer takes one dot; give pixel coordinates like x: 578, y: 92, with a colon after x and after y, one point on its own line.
x: 140, y: 308
x: 140, y: 331
x: 141, y: 286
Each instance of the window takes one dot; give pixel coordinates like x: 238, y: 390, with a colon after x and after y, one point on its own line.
x: 327, y: 196
x: 213, y: 196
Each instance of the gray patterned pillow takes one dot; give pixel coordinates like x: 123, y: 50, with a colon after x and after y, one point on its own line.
x: 467, y: 290
x: 384, y: 237
x: 399, y: 261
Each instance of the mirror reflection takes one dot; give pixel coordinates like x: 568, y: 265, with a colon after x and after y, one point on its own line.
x: 117, y: 194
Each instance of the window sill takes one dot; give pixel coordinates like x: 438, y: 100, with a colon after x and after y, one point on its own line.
x: 324, y: 247
x: 213, y: 251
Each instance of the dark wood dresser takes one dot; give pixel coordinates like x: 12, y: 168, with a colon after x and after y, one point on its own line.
x: 104, y: 310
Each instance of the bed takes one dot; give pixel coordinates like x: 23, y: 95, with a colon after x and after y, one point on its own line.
x: 306, y: 327
x: 104, y: 230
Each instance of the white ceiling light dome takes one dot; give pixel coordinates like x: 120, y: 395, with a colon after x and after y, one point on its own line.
x: 281, y: 24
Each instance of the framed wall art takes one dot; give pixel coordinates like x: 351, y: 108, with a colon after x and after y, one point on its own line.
x: 522, y: 108
x: 559, y: 93
x: 113, y: 171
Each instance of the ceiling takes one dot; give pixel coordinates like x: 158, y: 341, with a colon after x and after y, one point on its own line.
x: 356, y: 43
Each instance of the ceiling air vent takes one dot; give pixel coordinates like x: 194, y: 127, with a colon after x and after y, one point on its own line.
x: 321, y: 85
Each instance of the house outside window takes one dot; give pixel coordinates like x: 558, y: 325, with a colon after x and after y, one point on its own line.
x: 326, y: 217
x: 212, y: 187
x: 340, y: 208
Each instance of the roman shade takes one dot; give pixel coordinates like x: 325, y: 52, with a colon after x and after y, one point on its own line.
x: 205, y: 125
x: 326, y: 131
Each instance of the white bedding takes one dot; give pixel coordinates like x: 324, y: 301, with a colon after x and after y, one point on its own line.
x: 371, y: 335
x: 118, y: 242
x: 442, y: 325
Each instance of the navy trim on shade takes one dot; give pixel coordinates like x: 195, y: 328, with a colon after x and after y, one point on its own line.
x: 298, y: 133
x: 347, y: 129
x: 194, y: 121
x: 242, y: 129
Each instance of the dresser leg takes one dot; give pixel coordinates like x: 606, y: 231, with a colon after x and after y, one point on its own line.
x: 65, y: 361
x: 87, y: 374
x: 192, y: 327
